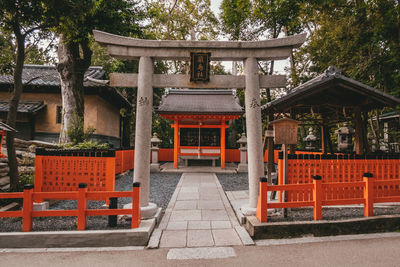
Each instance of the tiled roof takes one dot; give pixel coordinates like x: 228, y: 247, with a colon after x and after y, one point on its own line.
x: 5, y: 127
x: 48, y: 76
x: 195, y: 101
x: 23, y: 106
x: 39, y: 79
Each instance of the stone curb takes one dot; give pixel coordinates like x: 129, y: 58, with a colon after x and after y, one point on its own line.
x: 377, y: 224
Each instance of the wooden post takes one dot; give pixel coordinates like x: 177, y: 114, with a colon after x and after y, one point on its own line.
x: 222, y: 144
x: 317, y: 196
x: 368, y: 194
x: 262, y: 203
x: 176, y: 143
x: 359, y: 134
x: 136, y: 217
x: 280, y: 177
x: 27, y: 208
x: 82, y: 204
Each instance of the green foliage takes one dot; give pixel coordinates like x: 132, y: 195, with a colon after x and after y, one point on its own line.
x: 26, y: 178
x: 361, y: 38
x: 236, y: 19
x: 181, y: 20
x: 76, y: 130
x: 85, y: 145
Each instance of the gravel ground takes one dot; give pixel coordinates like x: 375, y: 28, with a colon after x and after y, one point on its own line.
x: 233, y: 182
x: 162, y: 187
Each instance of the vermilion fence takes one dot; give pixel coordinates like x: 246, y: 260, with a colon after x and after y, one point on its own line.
x: 337, y: 168
x: 124, y: 160
x: 61, y: 170
x: 82, y: 195
x: 328, y: 194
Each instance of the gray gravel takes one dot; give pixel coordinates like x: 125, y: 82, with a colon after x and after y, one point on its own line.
x: 233, y: 182
x: 162, y: 187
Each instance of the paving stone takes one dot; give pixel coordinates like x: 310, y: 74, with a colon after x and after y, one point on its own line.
x: 200, y: 253
x: 226, y: 237
x: 214, y: 215
x: 189, y: 189
x: 199, y: 238
x: 188, y: 196
x: 177, y: 225
x: 210, y: 204
x: 197, y: 225
x: 221, y: 224
x: 185, y: 205
x: 173, y: 239
x: 185, y: 215
x: 209, y: 196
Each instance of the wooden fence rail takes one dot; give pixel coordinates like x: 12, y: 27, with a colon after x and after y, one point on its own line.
x: 82, y: 196
x: 330, y: 194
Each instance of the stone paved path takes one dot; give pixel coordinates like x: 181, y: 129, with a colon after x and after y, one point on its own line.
x: 199, y: 215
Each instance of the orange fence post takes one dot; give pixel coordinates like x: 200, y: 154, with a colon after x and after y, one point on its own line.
x: 317, y: 197
x: 368, y: 194
x: 280, y: 175
x: 27, y: 208
x: 82, y: 203
x: 136, y: 217
x: 262, y: 210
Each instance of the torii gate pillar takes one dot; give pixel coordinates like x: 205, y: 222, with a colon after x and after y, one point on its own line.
x: 144, y: 107
x: 254, y: 134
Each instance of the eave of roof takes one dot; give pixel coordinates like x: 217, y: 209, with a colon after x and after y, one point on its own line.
x: 31, y: 107
x: 45, y: 79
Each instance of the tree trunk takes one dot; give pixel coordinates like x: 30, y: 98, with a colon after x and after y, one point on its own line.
x: 12, y: 112
x: 71, y: 68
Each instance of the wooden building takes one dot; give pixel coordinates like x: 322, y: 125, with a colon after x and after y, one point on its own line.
x: 200, y: 118
x: 39, y: 110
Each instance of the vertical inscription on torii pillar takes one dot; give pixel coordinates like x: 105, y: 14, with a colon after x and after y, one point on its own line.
x: 199, y: 67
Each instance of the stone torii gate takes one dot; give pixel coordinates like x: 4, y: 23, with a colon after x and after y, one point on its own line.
x: 146, y: 51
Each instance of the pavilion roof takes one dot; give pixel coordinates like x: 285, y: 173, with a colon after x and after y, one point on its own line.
x: 195, y: 101
x: 331, y: 93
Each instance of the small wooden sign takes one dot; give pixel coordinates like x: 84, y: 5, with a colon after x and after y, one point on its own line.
x: 285, y: 131
x: 199, y: 67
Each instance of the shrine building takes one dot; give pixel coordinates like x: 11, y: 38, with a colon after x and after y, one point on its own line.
x: 200, y: 118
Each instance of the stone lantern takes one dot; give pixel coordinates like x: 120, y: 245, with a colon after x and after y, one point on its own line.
x: 311, y: 140
x: 242, y: 167
x: 155, y: 142
x: 345, y: 137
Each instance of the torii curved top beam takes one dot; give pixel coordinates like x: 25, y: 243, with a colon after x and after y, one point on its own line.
x: 131, y: 48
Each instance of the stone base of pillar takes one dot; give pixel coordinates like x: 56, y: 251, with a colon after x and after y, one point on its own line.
x: 38, y: 206
x: 155, y: 167
x: 242, y: 167
x: 147, y: 212
x: 248, y: 211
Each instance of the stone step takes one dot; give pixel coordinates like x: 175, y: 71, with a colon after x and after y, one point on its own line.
x: 6, y: 187
x: 9, y: 206
x: 4, y: 180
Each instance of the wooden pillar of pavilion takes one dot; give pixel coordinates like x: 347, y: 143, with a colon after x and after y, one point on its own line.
x: 360, y: 134
x: 176, y: 143
x: 222, y: 145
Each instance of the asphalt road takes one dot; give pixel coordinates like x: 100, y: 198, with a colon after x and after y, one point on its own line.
x: 377, y: 251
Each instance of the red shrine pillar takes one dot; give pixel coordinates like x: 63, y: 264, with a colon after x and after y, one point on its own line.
x: 176, y: 143
x: 222, y: 144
